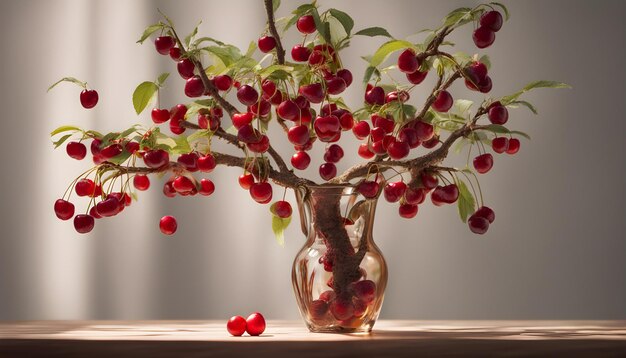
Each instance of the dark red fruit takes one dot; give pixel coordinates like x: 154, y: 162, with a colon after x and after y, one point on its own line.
x: 483, y: 37
x: 407, y: 211
x: 407, y: 61
x: 247, y: 95
x: 206, y: 163
x: 261, y: 192
x: 485, y: 212
x: 63, y: 209
x: 514, y: 145
x: 368, y: 188
x: 429, y: 181
x: 432, y: 142
x: 163, y: 44
x: 108, y: 207
x: 183, y: 185
x: 416, y: 77
x: 156, y: 158
x: 194, y: 87
x: 346, y: 75
x: 282, y: 209
x: 335, y: 85
x: 111, y: 151
x: 365, y: 152
x: 168, y: 188
x: 288, y: 110
x: 168, y: 225
x: 478, y: 225
x: 445, y: 194
x: 160, y: 115
x: 409, y: 135
x: 266, y: 43
x: 346, y: 121
x: 342, y: 308
x: 93, y: 212
x: 498, y: 114
x: 85, y: 187
x: 185, y: 68
x: 375, y: 96
x: 300, y: 160
x: 246, y: 180
x: 386, y: 123
x: 255, y: 324
x: 327, y: 128
x: 83, y: 223
x: 261, y: 146
x: 415, y: 196
x: 236, y: 326
x: 141, y: 182
x: 398, y: 149
x: 88, y: 98
x: 76, y: 150
x: 223, y: 82
x: 313, y: 92
x: 500, y: 144
x: 333, y: 153
x: 175, y: 53
x: 306, y: 24
x: 328, y: 171
x: 318, y: 309
x: 300, y: 53
x: 206, y: 187
x: 394, y: 191
x: 483, y: 163
x: 444, y: 102
x: 189, y: 161
x: 491, y: 20
x: 249, y: 134
x: 361, y: 130
x: 242, y: 119
x: 365, y: 290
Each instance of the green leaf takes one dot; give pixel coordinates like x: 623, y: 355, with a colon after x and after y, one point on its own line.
x: 161, y: 79
x: 369, y: 72
x: 460, y: 16
x: 61, y: 140
x: 278, y: 227
x: 525, y: 135
x: 267, y: 71
x: 525, y: 104
x: 275, y: 5
x: 143, y: 95
x: 207, y: 39
x: 462, y: 106
x: 68, y: 79
x: 545, y: 84
x: 374, y: 31
x: 496, y: 128
x: 506, y: 11
x: 150, y: 30
x: 322, y: 27
x: 120, y: 158
x: 466, y: 202
x: 193, y: 34
x: 62, y: 129
x: 228, y: 54
x: 198, y: 135
x: 387, y: 49
x: 182, y: 145
x: 485, y: 59
x: 345, y: 19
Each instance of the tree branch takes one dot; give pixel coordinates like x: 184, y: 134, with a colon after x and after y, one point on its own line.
x: 280, y: 51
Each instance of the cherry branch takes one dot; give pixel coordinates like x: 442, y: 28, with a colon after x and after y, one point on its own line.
x: 280, y: 51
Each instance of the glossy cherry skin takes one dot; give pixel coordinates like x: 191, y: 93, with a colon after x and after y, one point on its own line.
x: 346, y: 75
x: 335, y: 85
x: 236, y: 326
x: 255, y: 324
x: 76, y: 150
x: 282, y: 209
x: 333, y: 153
x: 368, y: 188
x: 247, y: 95
x: 415, y: 196
x: 85, y: 187
x: 175, y: 53
x: 483, y: 163
x: 300, y: 53
x: 500, y: 144
x: 160, y: 115
x: 206, y: 163
x: 498, y: 114
x: 189, y: 161
x: 288, y: 110
x: 407, y: 61
x: 444, y: 102
x: 486, y: 212
x: 206, y: 187
x: 328, y: 171
x: 416, y: 77
x: 246, y: 180
x: 156, y: 158
x: 394, y: 191
x: 398, y: 149
x: 365, y: 152
x: 63, y: 209
x: 261, y: 192
x: 313, y: 92
x: 318, y: 309
x: 261, y: 146
x: 88, y: 98
x: 168, y: 225
x: 83, y: 223
x: 361, y: 130
x: 194, y: 87
x: 242, y: 119
x: 428, y: 180
x: 141, y: 182
x: 483, y: 37
x: 306, y: 24
x: 300, y: 160
x: 514, y: 145
x: 375, y: 96
x: 409, y: 135
x: 223, y: 82
x: 185, y: 68
x: 491, y: 20
x: 163, y: 44
x: 266, y: 43
x: 478, y: 225
x: 407, y: 210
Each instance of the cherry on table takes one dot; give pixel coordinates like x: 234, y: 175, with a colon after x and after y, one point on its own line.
x: 255, y: 324
x: 236, y: 326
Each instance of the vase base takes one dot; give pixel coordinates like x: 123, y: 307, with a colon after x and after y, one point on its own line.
x: 340, y: 329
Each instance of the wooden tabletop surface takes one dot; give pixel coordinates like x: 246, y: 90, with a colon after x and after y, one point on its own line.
x: 291, y: 338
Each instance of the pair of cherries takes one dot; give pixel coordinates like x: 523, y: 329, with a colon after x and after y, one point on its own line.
x: 254, y: 325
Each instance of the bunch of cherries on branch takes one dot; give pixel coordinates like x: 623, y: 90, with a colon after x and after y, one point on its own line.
x: 302, y: 97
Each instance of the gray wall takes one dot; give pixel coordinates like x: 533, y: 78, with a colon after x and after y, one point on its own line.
x: 556, y: 250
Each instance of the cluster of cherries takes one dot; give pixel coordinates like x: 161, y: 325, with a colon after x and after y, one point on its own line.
x: 254, y: 325
x: 485, y: 34
x: 346, y: 306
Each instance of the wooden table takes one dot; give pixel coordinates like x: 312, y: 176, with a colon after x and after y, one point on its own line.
x: 291, y: 339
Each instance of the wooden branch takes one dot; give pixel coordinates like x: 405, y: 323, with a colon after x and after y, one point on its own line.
x: 280, y: 51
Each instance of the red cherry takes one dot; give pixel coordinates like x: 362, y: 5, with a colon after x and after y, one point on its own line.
x: 282, y: 209
x: 242, y: 119
x: 318, y: 309
x: 94, y: 213
x: 300, y: 53
x: 194, y: 87
x: 424, y: 131
x: 483, y: 37
x: 300, y: 160
x: 500, y: 144
x: 416, y: 77
x: 261, y: 108
x: 131, y: 147
x: 491, y: 20
x: 206, y: 187
x: 409, y: 135
x: 175, y: 53
x: 346, y: 75
x: 261, y: 192
x: 407, y: 211
x: 483, y: 163
x: 313, y: 92
x: 386, y: 123
x: 268, y: 88
x: 185, y: 68
x: 160, y: 115
x: 478, y: 225
x: 361, y: 130
x: 407, y: 61
x: 141, y: 182
x: 63, y: 209
x: 223, y: 82
x: 335, y: 85
x: 168, y: 188
x: 182, y: 184
x: 398, y: 149
x: 377, y: 134
x: 401, y: 96
x: 431, y: 143
x: 444, y: 102
x: 498, y: 114
x: 445, y: 194
x: 333, y: 153
x: 236, y: 326
x: 206, y: 163
x: 288, y: 110
x: 327, y: 128
x: 365, y: 290
x: 88, y: 98
x: 168, y: 225
x: 514, y: 145
x: 261, y: 146
x: 189, y: 161
x: 365, y: 152
x: 368, y: 188
x: 156, y: 158
x: 346, y: 121
x: 415, y: 196
x: 85, y: 187
x: 266, y: 43
x: 255, y: 324
x: 486, y: 85
x: 83, y: 223
x: 76, y: 150
x: 341, y: 308
x: 247, y: 95
x: 316, y: 58
x: 375, y: 96
x: 477, y: 71
x: 306, y: 24
x: 249, y: 134
x: 108, y: 207
x: 394, y: 191
x: 246, y: 180
x: 485, y: 212
x: 429, y: 181
x: 328, y: 171
x: 111, y: 151
x: 163, y: 44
